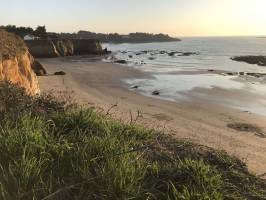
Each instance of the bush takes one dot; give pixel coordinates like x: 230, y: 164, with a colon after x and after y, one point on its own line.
x: 52, y: 151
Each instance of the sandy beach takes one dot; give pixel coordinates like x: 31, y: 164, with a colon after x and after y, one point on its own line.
x: 98, y: 84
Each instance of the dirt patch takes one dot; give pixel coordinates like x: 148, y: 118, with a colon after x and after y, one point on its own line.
x: 162, y: 117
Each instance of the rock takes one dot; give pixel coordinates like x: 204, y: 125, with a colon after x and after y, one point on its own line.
x: 58, y: 48
x: 188, y: 54
x: 230, y: 73
x: 38, y: 68
x: 258, y: 60
x: 241, y: 73
x: 87, y: 46
x: 16, y: 63
x: 106, y: 51
x: 145, y: 52
x: 42, y: 48
x: 257, y: 75
x: 210, y: 70
x: 162, y: 52
x: 130, y: 56
x: 151, y: 58
x: 156, y: 92
x: 173, y: 53
x: 121, y: 61
x: 138, y: 54
x: 135, y: 87
x: 64, y: 47
x: 60, y: 73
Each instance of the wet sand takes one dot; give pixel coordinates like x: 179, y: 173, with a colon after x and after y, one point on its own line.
x: 99, y: 84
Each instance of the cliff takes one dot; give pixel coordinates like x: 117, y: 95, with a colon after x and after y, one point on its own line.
x: 16, y: 63
x: 57, y: 48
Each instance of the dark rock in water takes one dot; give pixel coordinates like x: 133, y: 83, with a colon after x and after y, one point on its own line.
x: 173, y: 53
x: 138, y: 54
x: 145, y: 52
x: 188, y: 54
x: 106, y: 51
x: 230, y: 74
x: 135, y: 87
x: 156, y: 92
x: 241, y: 73
x: 163, y: 52
x: 210, y: 70
x: 130, y: 56
x: 258, y: 60
x: 257, y: 75
x: 151, y: 58
x: 121, y: 61
x: 60, y: 73
x: 123, y: 52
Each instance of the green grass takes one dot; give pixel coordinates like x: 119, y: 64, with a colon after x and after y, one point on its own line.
x: 11, y: 45
x: 51, y: 150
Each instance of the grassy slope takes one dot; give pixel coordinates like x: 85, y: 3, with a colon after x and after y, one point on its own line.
x: 10, y: 45
x: 51, y: 151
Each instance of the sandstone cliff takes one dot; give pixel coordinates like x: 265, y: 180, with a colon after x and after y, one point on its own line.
x: 42, y: 48
x: 16, y: 63
x: 57, y: 48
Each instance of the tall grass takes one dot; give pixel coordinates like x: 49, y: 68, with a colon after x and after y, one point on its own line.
x: 49, y: 151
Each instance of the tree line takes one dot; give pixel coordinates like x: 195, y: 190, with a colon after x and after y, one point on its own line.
x: 40, y: 31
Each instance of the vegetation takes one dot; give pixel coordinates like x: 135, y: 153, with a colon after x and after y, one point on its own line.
x: 117, y: 38
x: 40, y: 31
x: 51, y: 149
x: 10, y: 45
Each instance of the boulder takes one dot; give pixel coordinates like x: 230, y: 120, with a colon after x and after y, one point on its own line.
x: 38, y: 68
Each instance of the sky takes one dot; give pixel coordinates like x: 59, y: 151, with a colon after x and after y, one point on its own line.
x: 174, y: 17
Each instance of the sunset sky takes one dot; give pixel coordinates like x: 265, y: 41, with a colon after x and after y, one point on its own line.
x: 175, y: 17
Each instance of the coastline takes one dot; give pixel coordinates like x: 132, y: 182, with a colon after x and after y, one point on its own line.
x: 99, y: 84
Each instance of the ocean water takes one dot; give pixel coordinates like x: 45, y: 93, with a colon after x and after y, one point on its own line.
x: 174, y: 75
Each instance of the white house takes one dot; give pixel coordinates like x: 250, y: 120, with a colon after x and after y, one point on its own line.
x: 30, y: 37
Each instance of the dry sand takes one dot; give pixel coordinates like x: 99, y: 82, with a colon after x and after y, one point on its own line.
x: 99, y: 84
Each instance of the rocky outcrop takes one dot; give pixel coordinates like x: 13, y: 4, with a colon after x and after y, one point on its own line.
x: 38, y: 68
x: 88, y: 46
x: 42, y: 48
x: 64, y: 47
x: 58, y: 48
x: 259, y: 60
x: 16, y: 63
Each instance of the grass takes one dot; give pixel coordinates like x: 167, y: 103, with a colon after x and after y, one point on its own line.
x: 11, y: 45
x: 52, y: 150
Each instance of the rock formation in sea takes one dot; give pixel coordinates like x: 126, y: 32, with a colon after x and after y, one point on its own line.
x: 16, y: 63
x: 58, y: 48
x: 259, y: 60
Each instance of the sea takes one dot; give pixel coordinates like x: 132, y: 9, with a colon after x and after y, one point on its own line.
x: 177, y: 75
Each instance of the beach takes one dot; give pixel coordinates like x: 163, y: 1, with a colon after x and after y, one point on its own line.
x: 98, y: 84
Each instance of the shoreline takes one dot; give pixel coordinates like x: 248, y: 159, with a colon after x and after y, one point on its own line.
x: 99, y: 84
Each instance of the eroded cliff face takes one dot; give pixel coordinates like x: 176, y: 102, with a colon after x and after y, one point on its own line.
x: 42, y: 48
x: 18, y: 70
x: 16, y: 63
x: 57, y: 48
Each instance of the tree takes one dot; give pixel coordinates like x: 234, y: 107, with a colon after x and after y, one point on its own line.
x: 40, y: 31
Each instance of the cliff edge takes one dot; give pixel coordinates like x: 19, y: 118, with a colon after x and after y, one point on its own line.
x: 62, y: 47
x: 16, y: 63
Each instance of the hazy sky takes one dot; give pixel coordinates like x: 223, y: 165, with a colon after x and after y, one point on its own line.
x: 176, y: 17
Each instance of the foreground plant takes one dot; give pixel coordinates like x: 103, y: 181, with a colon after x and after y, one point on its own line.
x: 52, y: 151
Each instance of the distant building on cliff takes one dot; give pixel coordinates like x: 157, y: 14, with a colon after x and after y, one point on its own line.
x: 30, y: 37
